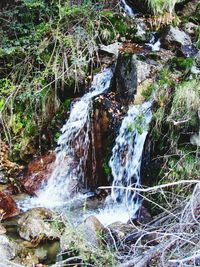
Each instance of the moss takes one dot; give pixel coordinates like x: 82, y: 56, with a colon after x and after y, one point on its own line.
x: 182, y: 64
x: 107, y: 156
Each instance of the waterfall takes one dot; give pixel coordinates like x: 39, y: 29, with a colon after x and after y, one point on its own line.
x: 125, y: 164
x: 127, y: 9
x: 126, y: 157
x: 72, y: 150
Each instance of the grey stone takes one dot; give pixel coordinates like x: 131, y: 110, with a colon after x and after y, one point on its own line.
x: 111, y: 49
x: 178, y: 36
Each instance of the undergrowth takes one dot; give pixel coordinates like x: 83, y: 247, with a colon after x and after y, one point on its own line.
x: 48, y: 49
x: 174, y: 132
x: 159, y: 6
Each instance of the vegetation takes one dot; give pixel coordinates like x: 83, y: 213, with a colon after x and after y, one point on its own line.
x: 49, y: 52
x: 159, y: 6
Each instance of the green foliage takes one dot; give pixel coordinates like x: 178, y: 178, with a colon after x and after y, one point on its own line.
x: 186, y: 102
x: 106, y: 169
x: 159, y: 6
x: 147, y: 92
x: 175, y: 121
x: 182, y: 64
x: 47, y: 47
x: 139, y: 125
x: 198, y: 36
x: 6, y: 89
x: 92, y: 249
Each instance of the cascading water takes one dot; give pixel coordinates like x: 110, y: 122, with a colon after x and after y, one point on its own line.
x: 126, y: 157
x: 127, y: 9
x: 125, y: 165
x: 72, y: 150
x: 154, y: 43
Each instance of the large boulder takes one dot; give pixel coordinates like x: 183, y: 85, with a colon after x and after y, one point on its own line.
x: 179, y: 41
x: 131, y: 71
x: 175, y: 35
x: 38, y: 224
x: 8, y: 207
x: 126, y: 78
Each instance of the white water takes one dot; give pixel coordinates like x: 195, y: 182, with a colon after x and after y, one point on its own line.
x: 127, y: 9
x: 125, y: 164
x: 154, y: 43
x: 72, y: 150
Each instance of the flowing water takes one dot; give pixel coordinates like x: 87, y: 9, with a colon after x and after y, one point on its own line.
x: 127, y: 9
x: 125, y: 165
x: 154, y: 43
x: 72, y: 150
x: 71, y: 155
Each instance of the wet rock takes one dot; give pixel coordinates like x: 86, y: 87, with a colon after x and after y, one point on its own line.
x: 179, y: 41
x: 38, y: 171
x: 126, y: 78
x: 8, y: 207
x: 106, y: 119
x: 7, y: 248
x: 131, y: 70
x: 39, y: 224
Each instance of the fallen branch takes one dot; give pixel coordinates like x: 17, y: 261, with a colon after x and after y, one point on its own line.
x: 184, y: 260
x: 153, y: 188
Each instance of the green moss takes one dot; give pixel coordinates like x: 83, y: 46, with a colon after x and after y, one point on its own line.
x: 106, y: 168
x: 182, y: 64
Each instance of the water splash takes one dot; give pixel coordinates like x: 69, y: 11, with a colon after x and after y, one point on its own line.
x: 125, y: 164
x: 72, y: 150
